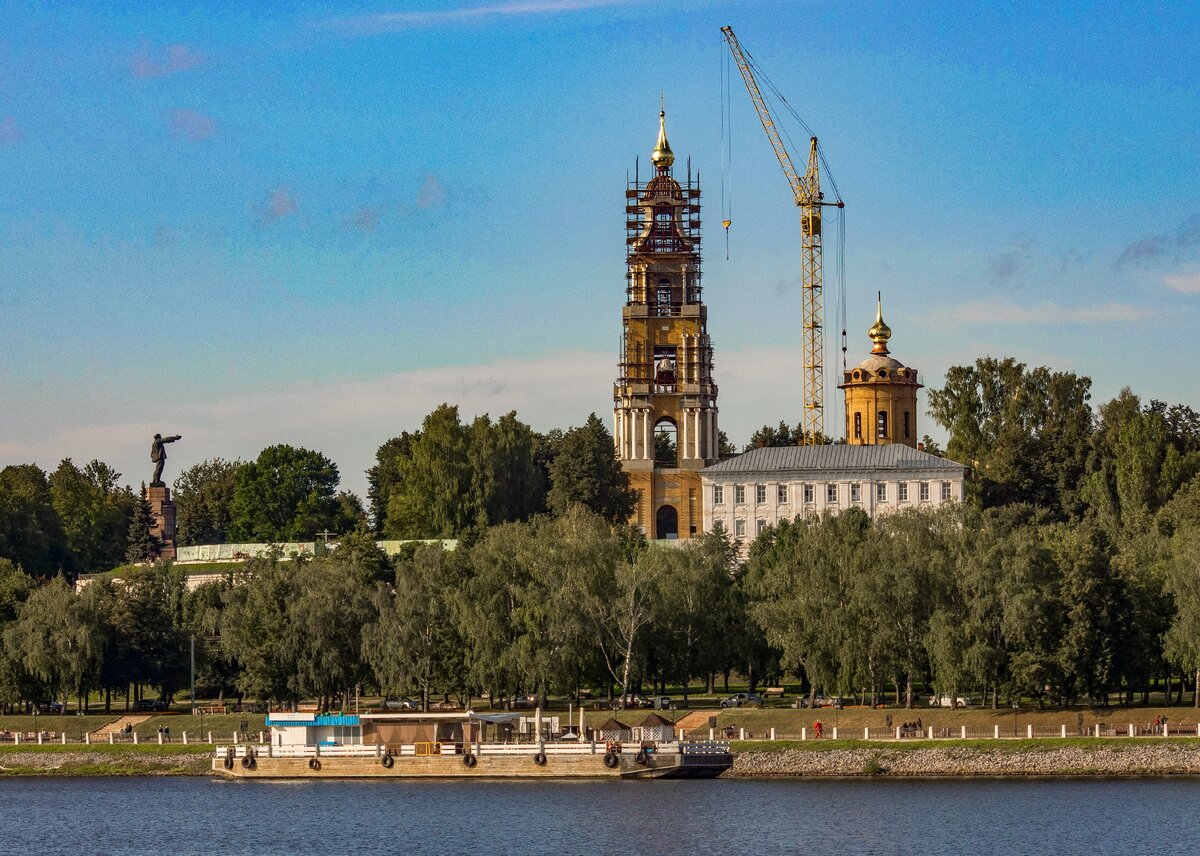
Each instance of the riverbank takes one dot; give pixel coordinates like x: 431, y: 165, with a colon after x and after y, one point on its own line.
x: 104, y: 760
x: 971, y: 758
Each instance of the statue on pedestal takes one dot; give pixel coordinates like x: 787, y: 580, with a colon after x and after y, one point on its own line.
x: 158, y: 454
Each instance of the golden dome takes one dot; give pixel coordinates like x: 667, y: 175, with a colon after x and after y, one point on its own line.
x: 879, y: 332
x: 662, y: 156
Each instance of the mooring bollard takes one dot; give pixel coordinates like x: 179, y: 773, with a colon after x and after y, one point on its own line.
x: 711, y: 734
x: 866, y: 734
x: 87, y: 738
x: 835, y: 732
x: 931, y: 732
x: 741, y: 734
x: 1029, y: 731
x: 16, y: 737
x: 160, y: 738
x: 996, y: 732
x: 110, y: 738
x: 1097, y: 730
x: 804, y: 733
x: 260, y: 737
x: 964, y: 732
x: 210, y: 740
x: 135, y: 738
x: 185, y: 738
x: 1166, y: 730
x: 772, y: 732
x: 64, y: 738
x: 1131, y: 729
x: 39, y: 737
x: 1064, y: 730
x: 235, y: 738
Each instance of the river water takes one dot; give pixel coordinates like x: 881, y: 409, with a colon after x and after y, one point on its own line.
x: 927, y: 817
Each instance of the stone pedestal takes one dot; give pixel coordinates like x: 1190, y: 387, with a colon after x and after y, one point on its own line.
x: 162, y: 509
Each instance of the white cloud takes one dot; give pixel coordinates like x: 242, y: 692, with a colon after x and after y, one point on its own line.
x: 349, y: 420
x: 386, y: 22
x: 191, y: 125
x: 1008, y: 312
x: 1184, y: 283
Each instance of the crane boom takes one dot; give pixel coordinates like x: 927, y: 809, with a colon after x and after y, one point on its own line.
x: 806, y: 192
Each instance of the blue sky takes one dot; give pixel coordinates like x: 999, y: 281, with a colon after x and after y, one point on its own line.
x: 312, y: 223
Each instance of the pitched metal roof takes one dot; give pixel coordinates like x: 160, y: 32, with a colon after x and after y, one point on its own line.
x: 840, y: 457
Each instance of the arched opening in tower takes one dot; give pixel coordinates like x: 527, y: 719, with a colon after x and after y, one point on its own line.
x: 666, y: 445
x: 666, y: 522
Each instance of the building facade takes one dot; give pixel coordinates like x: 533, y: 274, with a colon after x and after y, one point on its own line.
x: 664, y: 398
x: 761, y: 487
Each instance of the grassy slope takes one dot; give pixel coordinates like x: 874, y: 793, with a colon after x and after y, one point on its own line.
x: 103, y: 760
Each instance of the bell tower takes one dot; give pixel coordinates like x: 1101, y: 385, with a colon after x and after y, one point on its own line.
x: 881, y: 394
x: 665, y: 401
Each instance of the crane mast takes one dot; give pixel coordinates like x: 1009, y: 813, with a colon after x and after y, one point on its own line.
x: 806, y: 193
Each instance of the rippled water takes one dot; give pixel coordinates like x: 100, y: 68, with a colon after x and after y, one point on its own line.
x: 202, y: 816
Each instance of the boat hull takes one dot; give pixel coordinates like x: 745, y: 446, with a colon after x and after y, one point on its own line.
x: 582, y: 766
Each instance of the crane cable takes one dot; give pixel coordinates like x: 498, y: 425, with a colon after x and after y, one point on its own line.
x: 726, y: 150
x: 840, y: 253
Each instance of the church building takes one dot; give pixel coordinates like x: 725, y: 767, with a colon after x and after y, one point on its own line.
x: 880, y: 468
x: 664, y: 398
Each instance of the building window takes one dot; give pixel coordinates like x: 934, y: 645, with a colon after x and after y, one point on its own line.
x: 881, y: 426
x: 760, y: 493
x: 808, y: 493
x: 923, y: 496
x: 856, y: 492
x: 831, y: 493
x: 781, y: 494
x: 739, y: 527
x: 759, y: 526
x: 881, y: 491
x: 905, y: 424
x: 945, y: 491
x: 739, y: 494
x: 858, y: 426
x: 718, y: 494
x: 902, y: 492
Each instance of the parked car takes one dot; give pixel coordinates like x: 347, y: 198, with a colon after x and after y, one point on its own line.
x: 742, y: 700
x: 144, y: 705
x: 662, y: 702
x: 50, y: 707
x: 401, y: 703
x: 947, y: 701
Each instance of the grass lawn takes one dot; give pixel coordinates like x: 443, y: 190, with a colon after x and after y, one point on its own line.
x: 1002, y: 746
x: 104, y: 760
x: 74, y: 726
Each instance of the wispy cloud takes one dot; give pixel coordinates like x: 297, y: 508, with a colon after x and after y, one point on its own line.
x: 10, y: 131
x: 1184, y: 283
x: 366, y: 218
x: 1175, y: 244
x: 172, y: 60
x: 279, y: 204
x: 388, y: 22
x: 191, y: 125
x: 1008, y: 312
x: 432, y: 194
x: 1024, y: 259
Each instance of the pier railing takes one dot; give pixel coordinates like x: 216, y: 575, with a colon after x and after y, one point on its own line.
x: 910, y: 731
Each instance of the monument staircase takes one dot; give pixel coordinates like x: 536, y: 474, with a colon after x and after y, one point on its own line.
x: 117, y: 726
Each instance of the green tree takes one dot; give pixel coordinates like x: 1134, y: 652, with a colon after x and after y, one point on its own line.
x: 1182, y: 640
x: 384, y: 477
x: 414, y: 641
x: 15, y: 682
x: 1024, y: 432
x: 31, y: 534
x: 204, y: 502
x: 143, y: 545
x: 286, y: 494
x: 255, y: 629
x: 586, y: 470
x: 326, y: 618
x: 434, y: 485
x: 94, y: 511
x: 58, y: 638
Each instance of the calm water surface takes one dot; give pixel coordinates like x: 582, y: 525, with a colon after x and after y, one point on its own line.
x: 200, y: 816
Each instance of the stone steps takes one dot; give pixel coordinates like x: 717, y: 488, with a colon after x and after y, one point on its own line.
x: 117, y: 726
x: 696, y: 719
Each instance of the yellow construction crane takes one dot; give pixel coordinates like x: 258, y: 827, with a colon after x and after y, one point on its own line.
x: 806, y: 191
